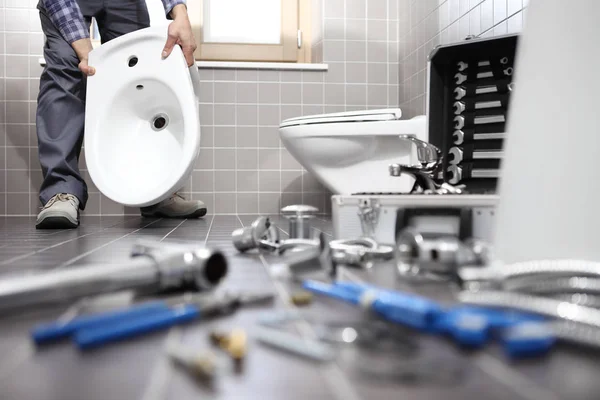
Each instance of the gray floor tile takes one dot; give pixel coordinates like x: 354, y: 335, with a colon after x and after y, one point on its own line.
x: 138, y: 369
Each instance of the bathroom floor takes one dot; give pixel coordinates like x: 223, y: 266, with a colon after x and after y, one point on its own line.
x: 425, y: 367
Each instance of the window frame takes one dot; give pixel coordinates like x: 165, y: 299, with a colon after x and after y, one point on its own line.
x: 295, y: 20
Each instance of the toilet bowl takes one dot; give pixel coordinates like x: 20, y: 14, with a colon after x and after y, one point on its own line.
x: 142, y: 126
x: 350, y: 152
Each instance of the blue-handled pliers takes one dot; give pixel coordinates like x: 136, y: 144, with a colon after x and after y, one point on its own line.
x: 98, y: 329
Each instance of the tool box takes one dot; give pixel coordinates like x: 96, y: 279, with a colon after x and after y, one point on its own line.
x: 469, y: 88
x: 470, y: 85
x: 347, y: 211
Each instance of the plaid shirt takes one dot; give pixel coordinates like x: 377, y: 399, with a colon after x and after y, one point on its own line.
x: 67, y: 17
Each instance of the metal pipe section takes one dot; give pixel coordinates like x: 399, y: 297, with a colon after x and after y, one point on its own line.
x: 152, y: 268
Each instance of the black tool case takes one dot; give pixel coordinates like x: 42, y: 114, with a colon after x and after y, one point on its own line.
x: 468, y: 108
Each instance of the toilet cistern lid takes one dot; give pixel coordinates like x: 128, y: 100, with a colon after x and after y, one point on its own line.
x: 388, y: 114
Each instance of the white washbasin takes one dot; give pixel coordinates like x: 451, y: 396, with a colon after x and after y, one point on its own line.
x: 142, y: 128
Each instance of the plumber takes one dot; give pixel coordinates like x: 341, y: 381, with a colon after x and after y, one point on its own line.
x: 61, y: 101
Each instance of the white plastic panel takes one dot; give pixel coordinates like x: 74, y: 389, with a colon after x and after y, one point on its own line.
x: 242, y: 21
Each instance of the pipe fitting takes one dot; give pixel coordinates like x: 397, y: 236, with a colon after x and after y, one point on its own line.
x: 299, y: 217
x: 261, y: 234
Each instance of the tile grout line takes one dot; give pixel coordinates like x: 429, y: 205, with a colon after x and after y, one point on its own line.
x: 6, y: 262
x: 87, y: 253
x: 21, y: 354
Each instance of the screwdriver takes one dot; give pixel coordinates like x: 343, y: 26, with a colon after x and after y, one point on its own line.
x: 98, y: 335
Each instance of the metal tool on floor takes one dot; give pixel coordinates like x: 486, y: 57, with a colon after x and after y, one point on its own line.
x: 100, y: 329
x: 201, y: 365
x: 311, y: 349
x: 234, y: 343
x: 299, y: 217
x: 260, y: 234
x: 435, y: 256
x: 313, y: 259
x: 153, y: 267
x: 459, y: 136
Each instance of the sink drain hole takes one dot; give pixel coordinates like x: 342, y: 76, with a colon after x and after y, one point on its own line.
x: 133, y: 60
x: 160, y: 122
x: 139, y: 87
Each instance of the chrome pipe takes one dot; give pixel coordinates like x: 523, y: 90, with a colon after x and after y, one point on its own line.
x: 152, y: 268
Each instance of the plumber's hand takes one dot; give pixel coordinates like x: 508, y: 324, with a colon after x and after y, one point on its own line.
x: 180, y: 32
x: 82, y: 48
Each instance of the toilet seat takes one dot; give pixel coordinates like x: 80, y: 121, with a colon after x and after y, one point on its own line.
x: 390, y: 114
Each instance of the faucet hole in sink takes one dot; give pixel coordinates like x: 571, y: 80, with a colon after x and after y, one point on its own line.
x: 139, y: 87
x: 160, y: 122
x: 133, y: 60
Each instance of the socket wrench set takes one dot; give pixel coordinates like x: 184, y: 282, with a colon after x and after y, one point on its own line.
x: 470, y: 85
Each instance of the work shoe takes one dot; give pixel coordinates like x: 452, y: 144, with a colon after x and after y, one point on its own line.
x: 60, y: 212
x: 176, y: 207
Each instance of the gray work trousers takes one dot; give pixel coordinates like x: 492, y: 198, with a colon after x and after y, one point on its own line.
x: 60, y: 114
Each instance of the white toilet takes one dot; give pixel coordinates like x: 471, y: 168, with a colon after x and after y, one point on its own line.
x: 142, y: 128
x: 350, y: 152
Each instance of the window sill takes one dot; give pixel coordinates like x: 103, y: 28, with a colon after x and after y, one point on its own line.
x: 251, y: 65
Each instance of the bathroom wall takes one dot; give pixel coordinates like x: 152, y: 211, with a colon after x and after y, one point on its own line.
x: 425, y: 24
x: 242, y: 167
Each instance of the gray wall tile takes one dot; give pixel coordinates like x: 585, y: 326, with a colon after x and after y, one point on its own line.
x: 268, y: 93
x: 268, y: 115
x: 247, y: 93
x: 268, y: 159
x: 247, y: 181
x: 312, y: 93
x: 269, y: 181
x: 224, y: 92
x: 247, y: 159
x: 225, y: 181
x: 246, y: 114
x: 17, y: 135
x: 268, y: 136
x: 247, y: 136
x: 241, y: 109
x: 17, y: 204
x: 247, y: 203
x: 225, y: 203
x: 268, y: 203
x: 203, y: 181
x: 17, y: 181
x: 224, y: 136
x: 225, y: 158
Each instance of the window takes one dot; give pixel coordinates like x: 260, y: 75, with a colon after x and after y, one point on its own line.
x: 257, y: 30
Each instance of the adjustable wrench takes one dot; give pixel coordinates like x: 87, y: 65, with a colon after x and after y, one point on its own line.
x: 459, y: 120
x: 461, y: 78
x: 459, y: 136
x: 457, y: 174
x: 457, y: 155
x: 461, y: 92
x: 463, y: 65
x: 460, y: 106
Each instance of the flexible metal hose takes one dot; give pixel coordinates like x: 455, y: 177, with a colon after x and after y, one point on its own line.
x: 546, y: 286
x: 538, y: 305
